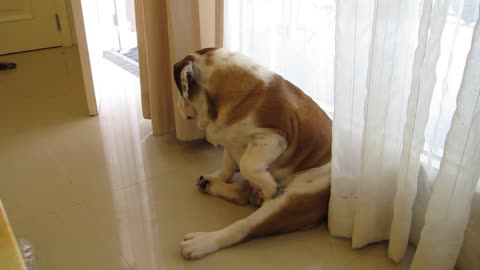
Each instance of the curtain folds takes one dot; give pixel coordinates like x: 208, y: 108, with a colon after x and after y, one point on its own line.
x: 449, y: 207
x: 393, y: 109
x: 421, y: 91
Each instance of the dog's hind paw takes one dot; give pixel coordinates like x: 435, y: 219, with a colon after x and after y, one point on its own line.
x: 256, y: 197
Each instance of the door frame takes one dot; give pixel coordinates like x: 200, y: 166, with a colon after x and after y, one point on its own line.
x: 86, y: 54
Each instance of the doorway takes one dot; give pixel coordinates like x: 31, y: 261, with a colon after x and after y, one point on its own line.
x: 117, y: 20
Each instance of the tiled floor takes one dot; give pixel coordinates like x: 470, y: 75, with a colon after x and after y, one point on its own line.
x: 102, y: 193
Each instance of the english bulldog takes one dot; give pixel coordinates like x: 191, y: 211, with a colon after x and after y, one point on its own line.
x: 276, y: 136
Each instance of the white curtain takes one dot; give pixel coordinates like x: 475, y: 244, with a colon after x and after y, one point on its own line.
x: 402, y: 82
x: 393, y: 108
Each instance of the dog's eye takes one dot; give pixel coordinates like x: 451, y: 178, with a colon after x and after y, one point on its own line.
x: 191, y: 82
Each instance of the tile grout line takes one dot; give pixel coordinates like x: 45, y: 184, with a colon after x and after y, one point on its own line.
x: 126, y: 263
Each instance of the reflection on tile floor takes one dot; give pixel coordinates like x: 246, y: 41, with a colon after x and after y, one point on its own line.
x: 102, y: 193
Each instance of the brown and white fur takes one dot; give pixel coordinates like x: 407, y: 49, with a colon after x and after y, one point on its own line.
x: 274, y: 134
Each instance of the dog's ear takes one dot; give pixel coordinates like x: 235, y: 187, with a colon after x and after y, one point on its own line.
x: 183, y: 75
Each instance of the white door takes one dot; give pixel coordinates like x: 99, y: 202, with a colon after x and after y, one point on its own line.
x: 28, y: 25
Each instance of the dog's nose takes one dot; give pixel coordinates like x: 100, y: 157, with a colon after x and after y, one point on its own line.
x: 189, y: 118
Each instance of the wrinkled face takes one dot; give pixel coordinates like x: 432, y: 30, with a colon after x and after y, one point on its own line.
x: 183, y: 74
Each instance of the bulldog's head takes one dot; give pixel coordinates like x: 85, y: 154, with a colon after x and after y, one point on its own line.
x: 186, y: 85
x: 193, y: 100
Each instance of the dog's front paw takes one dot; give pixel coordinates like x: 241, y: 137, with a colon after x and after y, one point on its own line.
x: 202, y: 184
x: 198, y: 245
